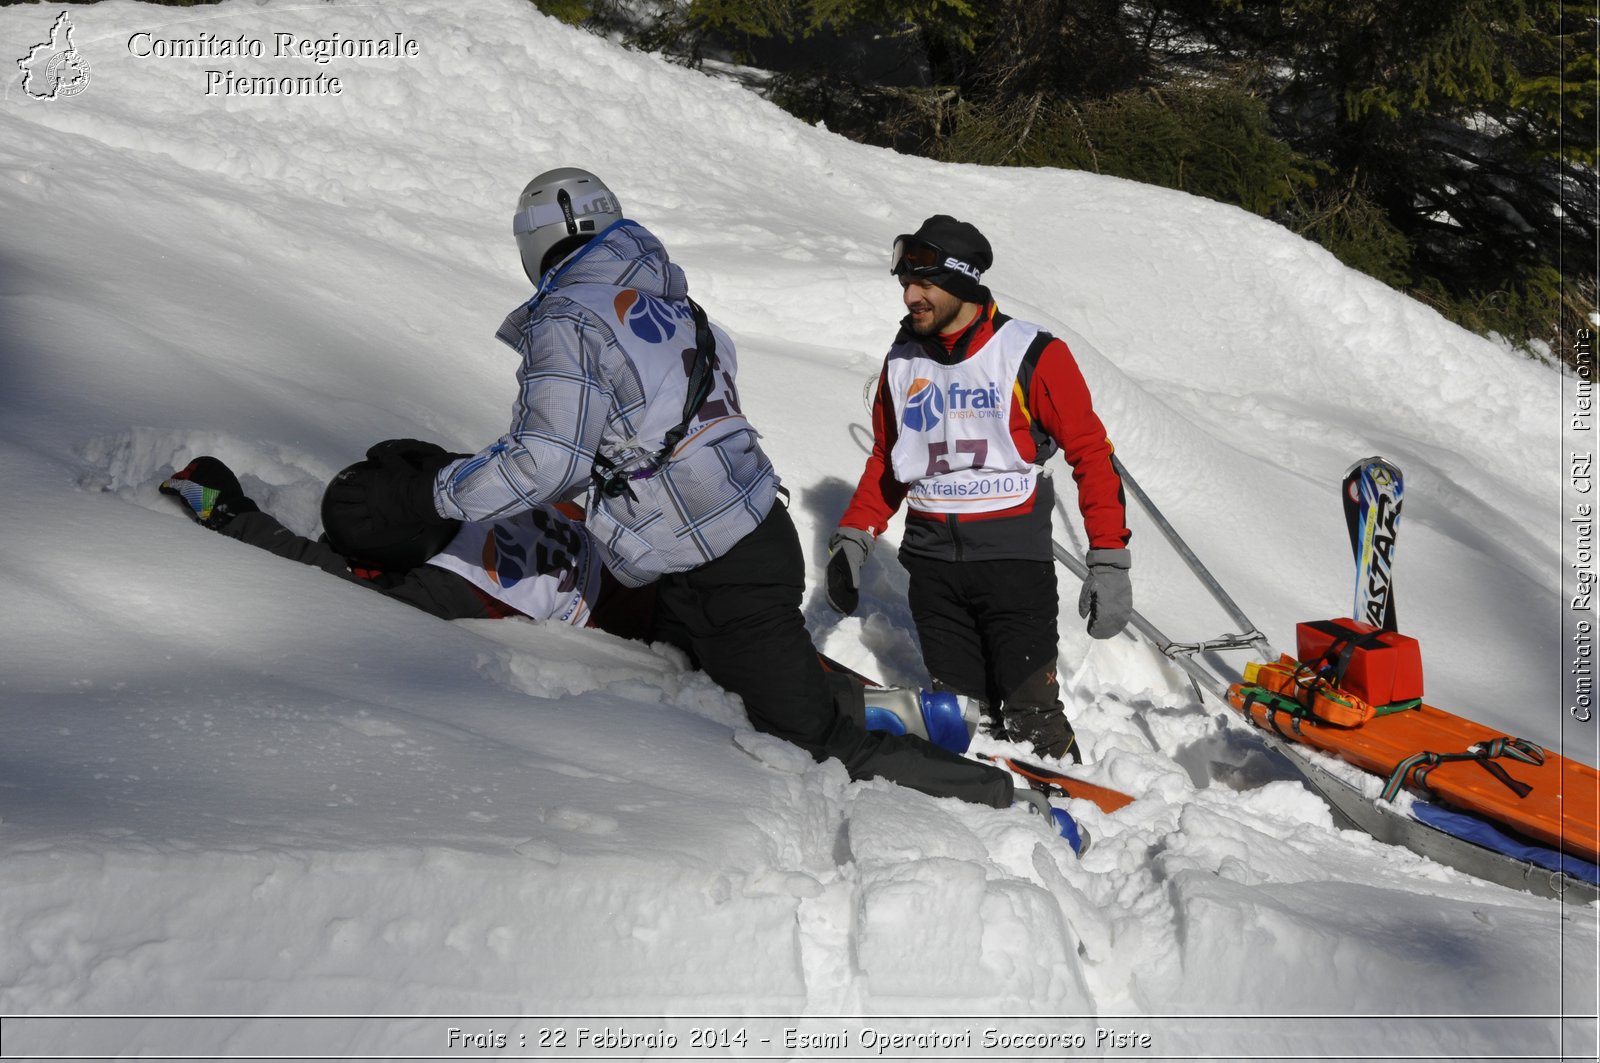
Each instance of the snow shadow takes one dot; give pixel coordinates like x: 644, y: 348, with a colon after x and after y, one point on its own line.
x: 826, y: 501
x: 23, y: 364
x: 882, y: 622
x: 1234, y: 759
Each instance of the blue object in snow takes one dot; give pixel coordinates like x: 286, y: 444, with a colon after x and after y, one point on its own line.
x: 947, y: 729
x: 1481, y: 832
x: 1068, y: 828
x: 931, y: 714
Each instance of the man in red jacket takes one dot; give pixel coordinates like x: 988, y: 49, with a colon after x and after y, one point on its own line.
x: 970, y: 405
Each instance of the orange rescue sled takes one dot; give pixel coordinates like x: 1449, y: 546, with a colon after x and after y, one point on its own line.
x: 1541, y: 795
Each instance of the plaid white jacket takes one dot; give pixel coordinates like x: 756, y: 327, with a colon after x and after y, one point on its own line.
x: 605, y: 347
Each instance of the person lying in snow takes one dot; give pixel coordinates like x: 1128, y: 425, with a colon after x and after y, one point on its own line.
x: 539, y: 564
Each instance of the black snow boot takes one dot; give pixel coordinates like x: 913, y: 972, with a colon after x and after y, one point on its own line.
x: 1044, y: 728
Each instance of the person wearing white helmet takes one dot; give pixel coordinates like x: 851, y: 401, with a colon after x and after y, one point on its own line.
x: 626, y: 394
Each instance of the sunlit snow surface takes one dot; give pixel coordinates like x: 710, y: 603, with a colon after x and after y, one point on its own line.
x: 230, y: 785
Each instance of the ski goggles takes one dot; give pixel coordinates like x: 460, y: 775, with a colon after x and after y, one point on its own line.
x: 922, y: 259
x: 916, y: 257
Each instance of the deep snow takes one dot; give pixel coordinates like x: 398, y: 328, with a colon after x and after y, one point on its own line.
x: 233, y: 786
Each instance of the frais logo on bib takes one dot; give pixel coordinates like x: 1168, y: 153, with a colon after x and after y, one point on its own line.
x: 927, y: 405
x: 924, y: 405
x: 981, y: 401
x: 652, y: 320
x: 504, y: 559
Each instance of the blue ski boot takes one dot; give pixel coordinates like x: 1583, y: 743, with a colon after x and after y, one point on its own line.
x: 937, y: 715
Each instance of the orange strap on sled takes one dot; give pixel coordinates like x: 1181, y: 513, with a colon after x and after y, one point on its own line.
x: 1313, y: 693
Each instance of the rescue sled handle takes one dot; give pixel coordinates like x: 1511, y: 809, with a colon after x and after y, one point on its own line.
x: 1251, y: 635
x: 1180, y: 654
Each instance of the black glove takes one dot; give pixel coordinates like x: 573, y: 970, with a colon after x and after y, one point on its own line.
x: 387, y: 496
x: 209, y: 492
x: 417, y: 453
x: 847, y: 552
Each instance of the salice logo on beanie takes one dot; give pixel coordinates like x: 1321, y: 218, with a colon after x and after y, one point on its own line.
x: 924, y: 405
x: 963, y: 267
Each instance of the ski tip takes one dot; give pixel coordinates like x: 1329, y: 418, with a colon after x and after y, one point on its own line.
x: 1378, y: 465
x: 1374, y: 459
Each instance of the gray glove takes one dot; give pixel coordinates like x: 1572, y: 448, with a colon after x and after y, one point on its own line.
x: 1107, y: 598
x: 847, y: 552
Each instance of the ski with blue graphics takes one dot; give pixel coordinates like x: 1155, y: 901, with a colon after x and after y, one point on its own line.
x: 1373, y: 492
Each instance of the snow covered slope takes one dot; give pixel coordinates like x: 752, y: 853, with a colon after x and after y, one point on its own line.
x: 231, y: 785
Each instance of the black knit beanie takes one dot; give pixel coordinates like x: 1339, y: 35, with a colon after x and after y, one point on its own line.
x: 968, y: 255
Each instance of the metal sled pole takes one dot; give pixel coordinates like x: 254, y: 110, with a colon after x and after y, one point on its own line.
x: 1203, y: 574
x: 1179, y: 655
x: 1208, y: 682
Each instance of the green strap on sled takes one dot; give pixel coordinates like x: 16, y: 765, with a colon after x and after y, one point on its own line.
x: 1484, y: 753
x: 1275, y: 704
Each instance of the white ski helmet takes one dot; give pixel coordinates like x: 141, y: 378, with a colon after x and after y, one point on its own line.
x: 557, y: 213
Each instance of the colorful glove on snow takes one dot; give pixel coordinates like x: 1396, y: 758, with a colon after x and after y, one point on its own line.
x: 209, y: 492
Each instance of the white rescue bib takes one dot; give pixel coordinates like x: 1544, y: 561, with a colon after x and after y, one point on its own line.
x: 538, y: 562
x: 955, y: 451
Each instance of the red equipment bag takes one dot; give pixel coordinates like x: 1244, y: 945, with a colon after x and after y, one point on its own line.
x: 1379, y: 667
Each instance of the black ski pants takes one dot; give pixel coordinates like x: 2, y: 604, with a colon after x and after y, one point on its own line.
x: 988, y: 628
x: 738, y: 618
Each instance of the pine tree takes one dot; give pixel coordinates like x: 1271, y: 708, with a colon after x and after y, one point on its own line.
x: 1445, y: 148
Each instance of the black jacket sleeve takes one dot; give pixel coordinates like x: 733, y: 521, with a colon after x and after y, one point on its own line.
x: 427, y: 587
